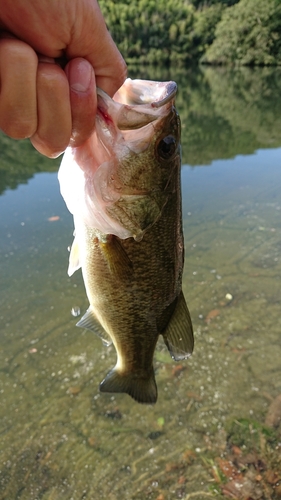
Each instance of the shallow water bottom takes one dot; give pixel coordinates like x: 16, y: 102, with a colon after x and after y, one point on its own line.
x: 61, y: 439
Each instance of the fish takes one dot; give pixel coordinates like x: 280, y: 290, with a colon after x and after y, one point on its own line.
x: 123, y: 188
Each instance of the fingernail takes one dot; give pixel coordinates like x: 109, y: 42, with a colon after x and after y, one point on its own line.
x: 80, y: 76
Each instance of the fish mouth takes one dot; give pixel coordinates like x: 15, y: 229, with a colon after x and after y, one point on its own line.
x: 146, y: 93
x: 136, y: 104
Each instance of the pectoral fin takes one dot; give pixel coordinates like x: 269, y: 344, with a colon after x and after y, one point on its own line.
x: 90, y: 322
x: 116, y: 257
x: 74, y: 261
x: 178, y: 335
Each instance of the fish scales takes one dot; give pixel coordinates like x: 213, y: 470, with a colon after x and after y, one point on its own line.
x: 133, y: 269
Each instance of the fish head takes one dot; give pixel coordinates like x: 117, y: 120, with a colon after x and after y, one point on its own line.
x: 124, y: 173
x: 144, y: 134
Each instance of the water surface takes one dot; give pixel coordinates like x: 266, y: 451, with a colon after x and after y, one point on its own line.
x: 61, y: 439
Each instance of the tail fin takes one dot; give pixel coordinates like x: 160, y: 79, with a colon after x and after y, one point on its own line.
x: 142, y: 389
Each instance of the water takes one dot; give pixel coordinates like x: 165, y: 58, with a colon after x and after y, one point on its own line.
x: 60, y: 439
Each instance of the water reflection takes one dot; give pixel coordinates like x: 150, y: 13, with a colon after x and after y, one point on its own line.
x: 59, y: 438
x: 19, y: 162
x: 224, y: 112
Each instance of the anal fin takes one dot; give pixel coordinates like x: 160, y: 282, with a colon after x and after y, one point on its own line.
x: 90, y: 322
x: 178, y: 335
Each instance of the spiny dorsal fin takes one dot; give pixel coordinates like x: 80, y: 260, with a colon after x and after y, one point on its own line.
x: 90, y: 322
x: 178, y: 335
x: 141, y: 389
x: 74, y: 261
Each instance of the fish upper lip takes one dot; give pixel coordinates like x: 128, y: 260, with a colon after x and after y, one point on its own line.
x: 146, y: 93
x: 156, y: 101
x: 170, y: 95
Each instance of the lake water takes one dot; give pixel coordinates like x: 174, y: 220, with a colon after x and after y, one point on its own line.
x: 215, y: 430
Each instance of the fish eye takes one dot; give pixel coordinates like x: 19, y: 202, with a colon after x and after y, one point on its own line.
x: 166, y: 147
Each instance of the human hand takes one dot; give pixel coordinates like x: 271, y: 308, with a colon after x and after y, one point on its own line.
x: 40, y: 100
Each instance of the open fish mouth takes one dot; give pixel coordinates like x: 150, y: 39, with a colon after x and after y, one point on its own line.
x: 146, y: 92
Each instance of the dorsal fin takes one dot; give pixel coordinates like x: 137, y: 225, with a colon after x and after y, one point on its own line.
x: 178, y: 335
x: 90, y: 322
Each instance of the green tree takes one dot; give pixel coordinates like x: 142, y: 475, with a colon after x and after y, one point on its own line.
x: 248, y: 34
x: 198, y: 4
x: 151, y: 31
x: 204, y: 26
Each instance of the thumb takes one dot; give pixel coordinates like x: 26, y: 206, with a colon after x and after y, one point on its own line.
x: 92, y: 41
x: 73, y: 28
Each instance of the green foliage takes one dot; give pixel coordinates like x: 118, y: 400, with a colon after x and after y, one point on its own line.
x: 206, y: 3
x: 248, y: 34
x: 183, y: 31
x: 151, y: 31
x: 205, y: 22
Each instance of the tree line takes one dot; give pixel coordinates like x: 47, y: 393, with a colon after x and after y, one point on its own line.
x: 180, y: 32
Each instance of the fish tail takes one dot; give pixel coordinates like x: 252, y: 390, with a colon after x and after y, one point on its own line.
x: 141, y: 388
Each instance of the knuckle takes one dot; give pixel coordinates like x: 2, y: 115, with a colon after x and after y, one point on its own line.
x: 52, y: 77
x: 18, y: 51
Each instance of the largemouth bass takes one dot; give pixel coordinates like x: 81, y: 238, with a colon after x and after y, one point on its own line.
x: 123, y: 189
